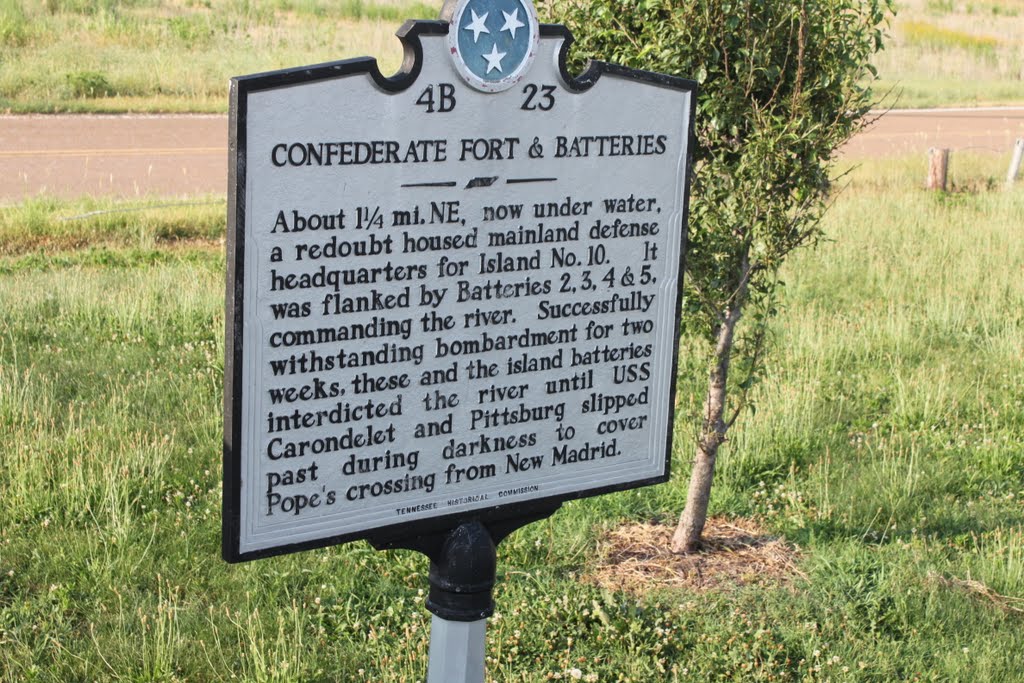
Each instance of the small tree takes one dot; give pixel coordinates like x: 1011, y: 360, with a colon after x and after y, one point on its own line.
x: 782, y: 86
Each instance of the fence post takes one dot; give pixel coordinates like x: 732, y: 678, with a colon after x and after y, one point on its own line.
x: 1018, y: 154
x: 938, y: 166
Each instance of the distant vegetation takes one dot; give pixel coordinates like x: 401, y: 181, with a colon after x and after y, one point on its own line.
x: 921, y: 34
x: 955, y: 52
x: 177, y: 55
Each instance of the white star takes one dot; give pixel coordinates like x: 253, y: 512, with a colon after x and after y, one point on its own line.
x: 494, y: 59
x: 512, y: 22
x: 477, y: 26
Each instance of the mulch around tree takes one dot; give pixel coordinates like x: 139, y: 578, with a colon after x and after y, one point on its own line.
x: 637, y: 558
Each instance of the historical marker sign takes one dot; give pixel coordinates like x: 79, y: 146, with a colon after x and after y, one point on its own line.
x: 451, y: 293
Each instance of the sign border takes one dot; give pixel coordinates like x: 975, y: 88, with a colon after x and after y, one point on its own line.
x: 401, y: 533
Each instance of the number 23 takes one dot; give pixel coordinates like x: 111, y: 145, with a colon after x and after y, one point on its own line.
x: 545, y: 101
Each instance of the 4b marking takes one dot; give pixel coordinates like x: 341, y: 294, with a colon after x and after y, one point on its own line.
x: 444, y: 101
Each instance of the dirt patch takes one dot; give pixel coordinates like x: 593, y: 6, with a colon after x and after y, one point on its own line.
x: 636, y: 558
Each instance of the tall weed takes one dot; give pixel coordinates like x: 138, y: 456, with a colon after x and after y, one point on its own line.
x: 15, y: 28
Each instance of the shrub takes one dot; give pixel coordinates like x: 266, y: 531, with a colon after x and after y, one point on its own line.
x: 782, y: 85
x: 89, y: 84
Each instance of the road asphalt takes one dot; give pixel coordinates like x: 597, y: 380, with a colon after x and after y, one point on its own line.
x: 120, y: 156
x: 186, y: 155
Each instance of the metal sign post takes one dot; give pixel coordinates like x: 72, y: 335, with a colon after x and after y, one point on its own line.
x: 463, y: 566
x: 460, y: 599
x: 457, y: 650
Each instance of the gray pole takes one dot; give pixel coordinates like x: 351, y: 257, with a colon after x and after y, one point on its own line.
x: 1018, y: 153
x: 462, y: 578
x: 457, y: 651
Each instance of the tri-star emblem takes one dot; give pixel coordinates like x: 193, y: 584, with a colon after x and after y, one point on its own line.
x: 493, y: 40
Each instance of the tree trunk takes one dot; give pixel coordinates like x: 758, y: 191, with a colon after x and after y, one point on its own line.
x: 713, y: 428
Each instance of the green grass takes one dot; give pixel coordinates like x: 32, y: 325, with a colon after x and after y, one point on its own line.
x: 42, y: 231
x: 887, y: 444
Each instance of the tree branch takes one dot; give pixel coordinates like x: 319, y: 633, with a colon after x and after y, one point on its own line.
x: 741, y: 400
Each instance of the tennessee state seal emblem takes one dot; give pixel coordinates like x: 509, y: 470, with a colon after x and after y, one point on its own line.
x: 493, y: 42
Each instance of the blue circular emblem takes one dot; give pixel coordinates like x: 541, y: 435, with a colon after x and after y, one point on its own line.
x: 493, y: 42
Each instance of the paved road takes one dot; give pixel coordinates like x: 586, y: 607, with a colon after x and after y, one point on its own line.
x: 169, y: 156
x: 913, y: 131
x: 123, y: 156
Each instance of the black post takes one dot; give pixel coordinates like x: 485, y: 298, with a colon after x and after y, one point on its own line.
x: 462, y: 575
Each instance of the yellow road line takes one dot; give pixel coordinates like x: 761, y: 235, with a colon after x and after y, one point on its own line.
x: 167, y: 151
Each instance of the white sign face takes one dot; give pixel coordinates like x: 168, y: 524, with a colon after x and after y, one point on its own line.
x: 445, y: 300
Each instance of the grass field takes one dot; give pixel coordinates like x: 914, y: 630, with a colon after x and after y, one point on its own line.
x: 177, y: 55
x: 886, y: 450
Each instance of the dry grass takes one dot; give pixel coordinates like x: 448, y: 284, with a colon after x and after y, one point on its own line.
x: 981, y: 592
x: 636, y: 558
